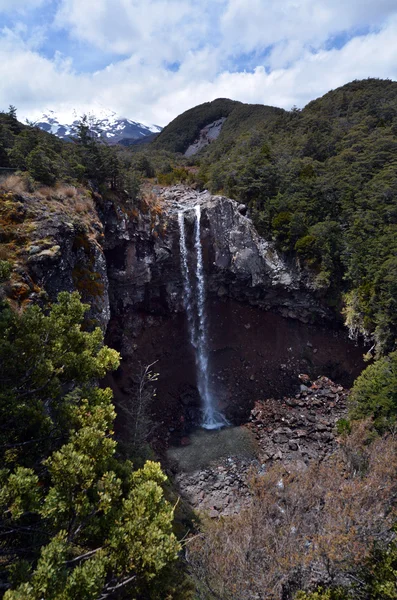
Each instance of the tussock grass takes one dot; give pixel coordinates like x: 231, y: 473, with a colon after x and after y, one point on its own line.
x: 13, y: 183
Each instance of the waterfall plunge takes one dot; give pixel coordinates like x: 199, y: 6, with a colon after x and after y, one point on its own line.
x: 196, y: 318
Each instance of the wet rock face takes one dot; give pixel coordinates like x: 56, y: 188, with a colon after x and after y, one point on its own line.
x: 254, y: 352
x: 144, y: 268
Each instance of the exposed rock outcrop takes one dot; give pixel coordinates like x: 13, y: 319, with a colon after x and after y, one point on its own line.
x: 208, y: 134
x: 53, y: 238
x: 144, y: 264
x: 293, y: 431
x: 239, y: 263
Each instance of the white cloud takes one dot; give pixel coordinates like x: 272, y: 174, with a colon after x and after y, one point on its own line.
x: 155, y: 29
x: 202, y: 36
x: 23, y: 6
x: 309, y: 22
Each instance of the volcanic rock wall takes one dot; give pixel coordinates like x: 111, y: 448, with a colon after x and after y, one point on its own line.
x: 266, y: 324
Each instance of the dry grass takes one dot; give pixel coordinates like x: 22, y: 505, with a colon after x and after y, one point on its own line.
x: 323, y: 519
x: 13, y: 183
x: 59, y: 192
x: 70, y: 200
x: 151, y: 203
x: 4, y: 252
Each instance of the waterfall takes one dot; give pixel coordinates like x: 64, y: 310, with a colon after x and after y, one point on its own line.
x: 197, y: 321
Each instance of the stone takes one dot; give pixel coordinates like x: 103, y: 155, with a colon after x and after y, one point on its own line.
x: 305, y: 378
x: 280, y: 438
x: 321, y: 427
x: 291, y: 402
x: 50, y: 252
x: 300, y: 433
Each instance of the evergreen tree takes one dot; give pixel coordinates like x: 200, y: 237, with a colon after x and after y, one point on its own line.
x: 76, y: 522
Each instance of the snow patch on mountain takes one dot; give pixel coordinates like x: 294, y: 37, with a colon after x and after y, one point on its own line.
x: 104, y: 124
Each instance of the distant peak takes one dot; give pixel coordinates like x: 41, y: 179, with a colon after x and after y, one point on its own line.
x: 106, y: 124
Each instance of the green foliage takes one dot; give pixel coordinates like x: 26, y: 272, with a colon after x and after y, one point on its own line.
x: 175, y: 175
x: 132, y: 184
x: 374, y: 393
x: 321, y: 182
x: 380, y: 573
x: 144, y: 166
x: 375, y: 580
x: 183, y: 130
x: 5, y: 270
x: 39, y: 355
x: 76, y: 521
x: 343, y: 427
x: 42, y: 165
x: 322, y: 594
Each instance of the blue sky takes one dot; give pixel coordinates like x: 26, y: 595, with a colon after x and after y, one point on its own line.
x: 150, y: 60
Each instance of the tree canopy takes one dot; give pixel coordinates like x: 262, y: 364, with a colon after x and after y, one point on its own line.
x: 76, y: 520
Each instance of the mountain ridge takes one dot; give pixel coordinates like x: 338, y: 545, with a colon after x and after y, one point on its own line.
x: 104, y: 124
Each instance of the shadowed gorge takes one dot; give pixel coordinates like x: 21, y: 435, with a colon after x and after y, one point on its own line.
x: 263, y: 324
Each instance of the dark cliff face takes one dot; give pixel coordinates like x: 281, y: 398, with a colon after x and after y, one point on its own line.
x: 265, y: 323
x: 144, y: 268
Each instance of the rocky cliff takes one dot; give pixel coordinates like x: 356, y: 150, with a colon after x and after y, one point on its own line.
x: 265, y: 324
x: 52, y: 239
x: 144, y: 263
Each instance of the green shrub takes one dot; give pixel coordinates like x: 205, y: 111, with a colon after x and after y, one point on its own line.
x: 374, y: 393
x: 5, y: 270
x: 324, y: 594
x: 42, y: 165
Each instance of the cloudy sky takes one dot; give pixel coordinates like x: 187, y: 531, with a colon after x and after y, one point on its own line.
x: 150, y: 60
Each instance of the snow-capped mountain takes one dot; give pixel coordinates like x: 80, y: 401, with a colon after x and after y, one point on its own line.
x: 103, y: 123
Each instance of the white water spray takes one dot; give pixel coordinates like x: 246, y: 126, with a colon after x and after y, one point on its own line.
x: 196, y: 317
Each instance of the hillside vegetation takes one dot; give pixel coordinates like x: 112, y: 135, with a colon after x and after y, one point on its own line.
x: 183, y: 130
x: 322, y: 181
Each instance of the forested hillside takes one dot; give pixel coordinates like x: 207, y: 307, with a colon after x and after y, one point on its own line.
x: 183, y: 130
x: 322, y: 182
